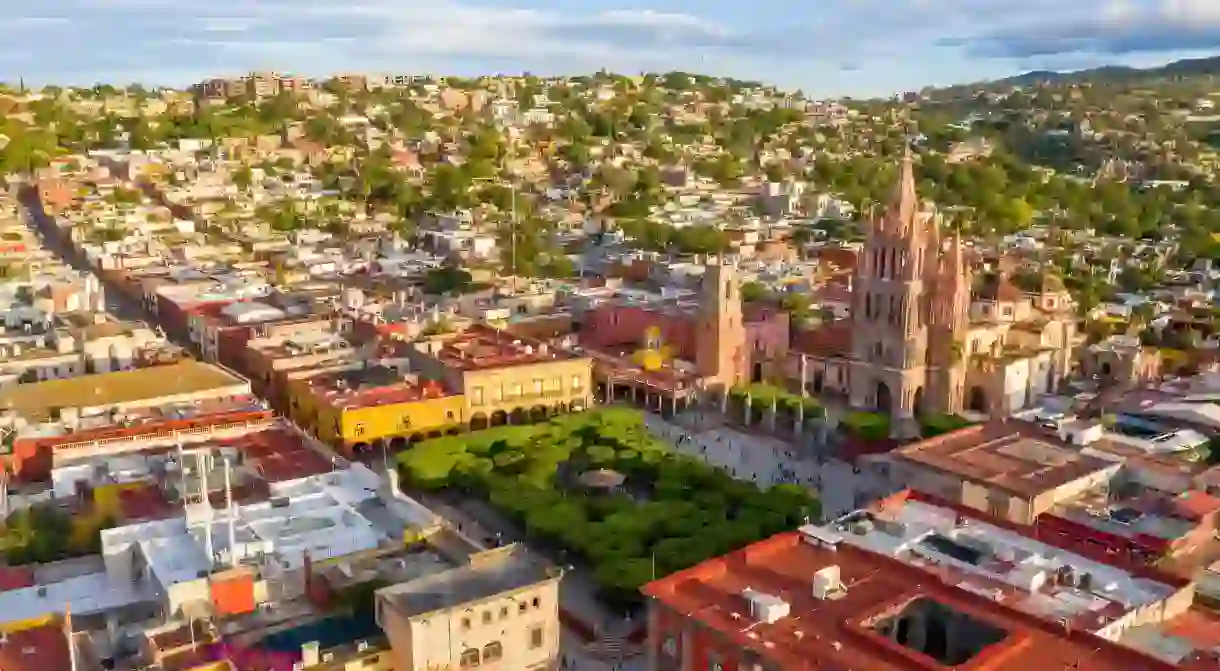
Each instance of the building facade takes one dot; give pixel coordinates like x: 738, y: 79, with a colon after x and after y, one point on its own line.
x: 500, y: 611
x: 921, y: 340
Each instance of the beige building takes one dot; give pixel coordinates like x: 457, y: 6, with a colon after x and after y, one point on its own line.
x: 498, y: 611
x: 505, y: 378
x: 1013, y: 471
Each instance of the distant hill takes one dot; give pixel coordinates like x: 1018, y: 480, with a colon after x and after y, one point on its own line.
x: 1191, y: 67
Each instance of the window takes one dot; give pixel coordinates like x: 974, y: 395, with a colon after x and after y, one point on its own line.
x: 535, y: 638
x: 493, y: 651
x: 537, y: 385
x: 578, y: 383
x: 714, y: 664
x: 536, y: 603
x: 503, y: 612
x: 476, y: 396
x: 359, y: 430
x: 470, y: 658
x: 517, y: 390
x: 557, y: 383
x: 487, y: 617
x: 465, y: 623
x: 405, y: 422
x: 522, y: 606
x: 449, y: 415
x: 670, y: 647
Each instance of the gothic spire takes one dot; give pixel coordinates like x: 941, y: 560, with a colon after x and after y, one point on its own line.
x: 906, y: 199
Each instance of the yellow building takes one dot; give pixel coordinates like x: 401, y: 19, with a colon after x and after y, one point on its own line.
x: 367, y: 409
x: 506, y: 378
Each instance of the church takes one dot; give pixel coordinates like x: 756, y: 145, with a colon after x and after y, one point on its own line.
x: 924, y: 337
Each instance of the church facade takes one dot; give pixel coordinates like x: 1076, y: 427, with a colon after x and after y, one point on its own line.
x: 921, y: 338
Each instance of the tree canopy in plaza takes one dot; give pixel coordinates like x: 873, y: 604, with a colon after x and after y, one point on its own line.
x: 673, y: 511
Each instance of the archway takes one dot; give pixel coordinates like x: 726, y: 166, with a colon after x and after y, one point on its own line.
x: 1105, y: 369
x: 478, y: 421
x: 978, y: 399
x: 885, y: 402
x: 817, y: 382
x: 398, y: 444
x: 361, y: 448
x: 518, y: 416
x: 917, y: 404
x: 434, y: 434
x: 499, y: 418
x: 538, y: 413
x: 454, y: 431
x: 416, y: 438
x: 756, y: 374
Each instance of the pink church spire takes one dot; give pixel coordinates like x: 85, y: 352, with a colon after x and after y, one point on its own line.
x: 905, y: 203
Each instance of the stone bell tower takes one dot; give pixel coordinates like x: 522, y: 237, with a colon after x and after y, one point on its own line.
x: 721, y: 337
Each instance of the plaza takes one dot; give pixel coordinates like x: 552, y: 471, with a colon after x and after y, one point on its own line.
x: 767, y: 461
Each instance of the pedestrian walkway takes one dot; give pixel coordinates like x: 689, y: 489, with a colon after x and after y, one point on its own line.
x: 767, y: 461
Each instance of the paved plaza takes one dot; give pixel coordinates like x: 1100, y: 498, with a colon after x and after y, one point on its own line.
x: 769, y: 461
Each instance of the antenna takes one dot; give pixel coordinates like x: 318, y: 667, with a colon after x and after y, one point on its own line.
x: 232, y: 512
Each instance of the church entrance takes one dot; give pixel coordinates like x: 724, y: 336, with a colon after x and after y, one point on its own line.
x: 978, y: 399
x: 917, y: 406
x: 885, y: 403
x: 757, y: 373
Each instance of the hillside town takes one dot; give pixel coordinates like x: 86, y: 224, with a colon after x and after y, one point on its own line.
x: 609, y: 372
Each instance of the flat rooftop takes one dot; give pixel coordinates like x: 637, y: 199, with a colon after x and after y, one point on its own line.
x: 329, y: 516
x: 1189, y: 635
x: 1151, y: 513
x: 485, y: 575
x: 482, y: 347
x: 372, y: 386
x: 181, y: 378
x: 279, y: 454
x: 151, y: 421
x: 1018, y: 572
x: 845, y: 632
x: 89, y: 594
x: 1016, y: 457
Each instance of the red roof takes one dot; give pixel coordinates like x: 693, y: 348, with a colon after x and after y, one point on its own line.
x: 1195, y: 505
x: 39, y: 649
x: 846, y: 633
x: 16, y: 577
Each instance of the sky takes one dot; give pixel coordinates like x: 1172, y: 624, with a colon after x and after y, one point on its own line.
x: 823, y: 47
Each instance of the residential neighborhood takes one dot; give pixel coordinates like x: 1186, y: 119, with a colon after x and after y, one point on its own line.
x: 607, y: 372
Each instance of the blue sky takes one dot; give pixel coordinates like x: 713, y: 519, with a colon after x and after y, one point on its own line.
x: 825, y: 47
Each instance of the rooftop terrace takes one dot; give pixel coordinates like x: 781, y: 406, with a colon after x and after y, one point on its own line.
x: 1017, y: 457
x: 482, y: 347
x: 372, y: 386
x: 842, y: 600
x: 487, y: 574
x: 145, y: 385
x: 1010, y: 569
